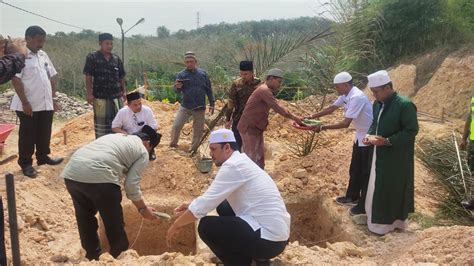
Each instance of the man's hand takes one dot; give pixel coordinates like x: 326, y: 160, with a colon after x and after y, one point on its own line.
x: 178, y: 84
x: 317, y: 128
x: 298, y: 121
x: 181, y: 209
x: 211, y: 110
x: 228, y: 124
x: 90, y: 99
x: 379, y: 141
x: 147, y: 213
x: 463, y: 145
x: 171, y: 235
x: 27, y: 109
x: 366, y: 141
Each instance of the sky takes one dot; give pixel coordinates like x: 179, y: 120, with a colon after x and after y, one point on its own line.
x: 101, y: 15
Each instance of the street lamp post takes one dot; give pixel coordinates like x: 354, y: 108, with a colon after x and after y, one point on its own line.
x: 120, y: 22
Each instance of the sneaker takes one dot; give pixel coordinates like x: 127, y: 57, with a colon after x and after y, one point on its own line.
x: 346, y: 201
x: 356, y: 211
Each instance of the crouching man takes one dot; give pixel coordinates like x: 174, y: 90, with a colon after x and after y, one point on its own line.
x: 92, y: 179
x: 253, y: 223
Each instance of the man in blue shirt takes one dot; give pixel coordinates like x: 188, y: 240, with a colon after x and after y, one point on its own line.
x: 194, y: 84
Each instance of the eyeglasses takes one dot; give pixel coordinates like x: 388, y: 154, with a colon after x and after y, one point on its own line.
x: 136, y: 121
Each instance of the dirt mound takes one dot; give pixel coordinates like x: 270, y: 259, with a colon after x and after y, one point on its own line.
x: 450, y: 89
x: 403, y: 78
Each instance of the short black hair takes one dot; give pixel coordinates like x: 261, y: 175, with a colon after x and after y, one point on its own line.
x: 351, y: 83
x: 233, y: 145
x: 34, y: 31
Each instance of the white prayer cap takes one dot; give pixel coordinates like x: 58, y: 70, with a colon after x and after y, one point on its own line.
x: 379, y: 78
x: 221, y: 136
x: 342, y: 77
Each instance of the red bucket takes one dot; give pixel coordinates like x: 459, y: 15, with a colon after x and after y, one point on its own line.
x: 5, y: 130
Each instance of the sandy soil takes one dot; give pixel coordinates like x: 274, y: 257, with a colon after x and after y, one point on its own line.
x: 322, y: 231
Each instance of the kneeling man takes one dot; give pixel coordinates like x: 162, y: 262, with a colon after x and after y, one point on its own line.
x: 253, y: 223
x: 133, y: 117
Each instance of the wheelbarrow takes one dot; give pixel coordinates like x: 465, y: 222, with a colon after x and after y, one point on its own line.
x: 5, y: 130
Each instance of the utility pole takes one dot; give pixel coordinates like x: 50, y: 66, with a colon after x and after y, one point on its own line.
x: 120, y: 22
x: 197, y: 20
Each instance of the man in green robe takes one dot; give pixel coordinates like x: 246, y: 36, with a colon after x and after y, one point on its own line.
x: 390, y: 194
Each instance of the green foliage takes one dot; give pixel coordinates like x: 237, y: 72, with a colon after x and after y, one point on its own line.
x: 304, y: 144
x: 159, y: 87
x: 441, y: 157
x: 350, y: 48
x: 414, y: 26
x: 162, y: 32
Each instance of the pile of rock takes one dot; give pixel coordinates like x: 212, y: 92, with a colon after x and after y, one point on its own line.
x: 70, y: 106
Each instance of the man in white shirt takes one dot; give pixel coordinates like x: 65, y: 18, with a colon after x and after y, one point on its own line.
x: 133, y: 117
x: 358, y: 111
x: 35, y: 102
x: 253, y: 223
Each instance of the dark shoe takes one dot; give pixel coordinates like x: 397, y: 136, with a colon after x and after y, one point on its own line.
x: 29, y: 171
x: 346, y: 201
x: 50, y: 161
x: 356, y: 210
x: 152, y: 155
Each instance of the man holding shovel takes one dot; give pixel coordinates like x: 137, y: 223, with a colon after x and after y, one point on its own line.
x: 92, y: 178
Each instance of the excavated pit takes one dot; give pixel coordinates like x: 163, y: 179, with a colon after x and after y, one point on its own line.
x: 152, y: 236
x: 313, y: 224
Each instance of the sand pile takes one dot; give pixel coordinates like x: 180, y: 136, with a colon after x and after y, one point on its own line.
x: 403, y: 78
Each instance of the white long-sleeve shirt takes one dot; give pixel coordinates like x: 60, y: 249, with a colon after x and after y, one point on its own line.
x: 107, y: 159
x: 251, y: 193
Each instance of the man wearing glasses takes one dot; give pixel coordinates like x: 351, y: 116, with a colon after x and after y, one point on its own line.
x: 133, y: 117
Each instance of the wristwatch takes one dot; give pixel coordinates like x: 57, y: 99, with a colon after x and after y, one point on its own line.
x: 141, y: 210
x: 387, y: 142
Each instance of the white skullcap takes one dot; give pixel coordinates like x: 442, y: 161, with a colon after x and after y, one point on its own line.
x: 221, y: 136
x: 379, y: 78
x: 342, y: 77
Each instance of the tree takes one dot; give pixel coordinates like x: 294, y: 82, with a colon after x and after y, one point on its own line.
x: 162, y: 32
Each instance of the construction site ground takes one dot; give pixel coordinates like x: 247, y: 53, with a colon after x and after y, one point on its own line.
x: 322, y: 232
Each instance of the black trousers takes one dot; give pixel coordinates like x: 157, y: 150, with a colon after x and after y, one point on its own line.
x: 35, y: 131
x: 237, y: 136
x: 3, y: 253
x: 359, y: 172
x: 105, y: 198
x: 234, y: 241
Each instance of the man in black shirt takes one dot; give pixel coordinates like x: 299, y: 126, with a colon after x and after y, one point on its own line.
x: 105, y: 84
